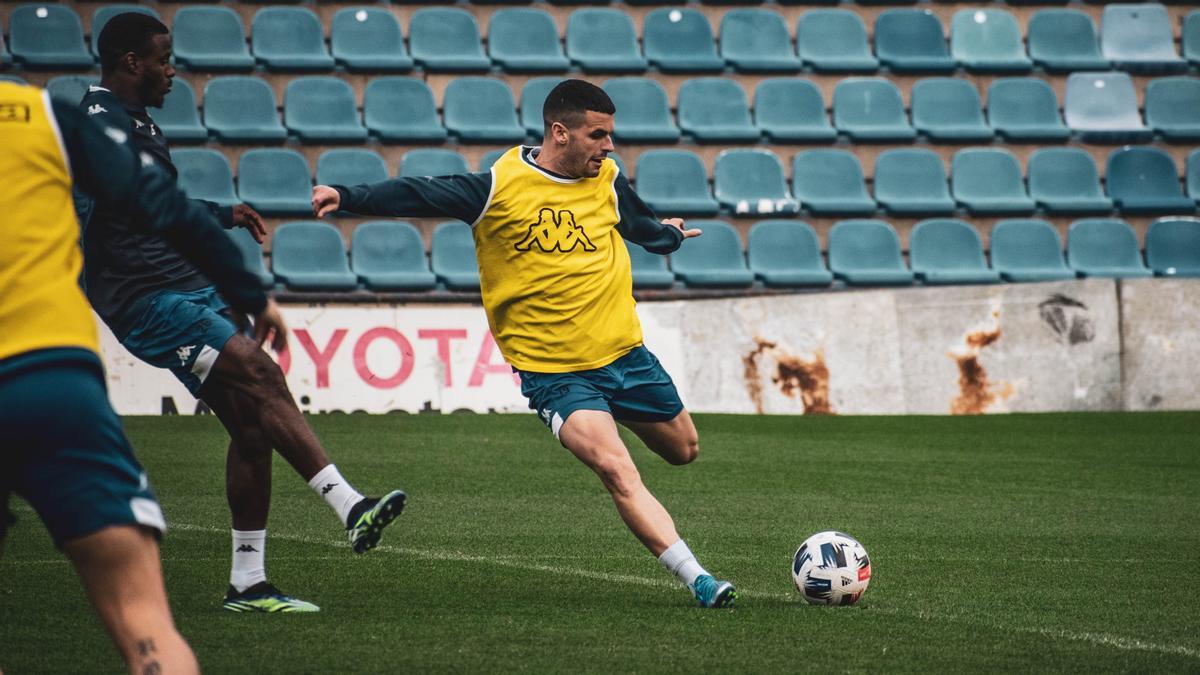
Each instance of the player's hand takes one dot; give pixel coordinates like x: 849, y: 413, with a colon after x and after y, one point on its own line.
x: 677, y: 223
x: 325, y: 200
x: 269, y: 324
x: 244, y: 216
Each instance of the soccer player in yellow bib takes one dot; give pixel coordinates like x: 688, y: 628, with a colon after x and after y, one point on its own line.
x: 548, y: 225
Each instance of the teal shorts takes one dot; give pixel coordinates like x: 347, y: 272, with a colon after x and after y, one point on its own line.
x: 634, y: 388
x: 63, y: 450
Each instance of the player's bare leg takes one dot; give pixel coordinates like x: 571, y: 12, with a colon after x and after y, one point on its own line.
x: 120, y: 570
x: 675, y: 440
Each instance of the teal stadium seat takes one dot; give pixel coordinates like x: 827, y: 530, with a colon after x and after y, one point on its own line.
x: 751, y: 183
x: 790, y: 110
x: 988, y: 181
x: 289, y: 39
x: 240, y: 108
x: 1103, y: 107
x: 949, y: 110
x: 350, y: 166
x: 1173, y: 247
x: 368, y: 40
x: 1103, y: 247
x: 680, y: 40
x: 603, y: 40
x: 70, y: 88
x: 322, y: 109
x: 912, y: 182
x: 912, y: 41
x: 432, y: 162
x: 210, y: 38
x: 948, y: 251
x: 101, y: 16
x: 831, y: 182
x: 481, y: 110
x: 1065, y: 181
x: 489, y: 158
x: 714, y: 260
x: 275, y: 182
x: 867, y: 253
x: 715, y: 110
x: 533, y: 97
x: 525, y: 40
x: 675, y: 183
x: 310, y: 256
x: 1139, y: 38
x: 650, y: 270
x: 1144, y: 180
x: 5, y: 57
x: 446, y: 40
x: 1025, y: 109
x: 786, y: 254
x: 1193, y: 174
x: 388, y: 255
x: 401, y: 109
x: 1173, y: 107
x: 452, y: 256
x: 252, y: 255
x: 47, y: 37
x: 643, y: 112
x: 15, y: 79
x: 205, y: 174
x: 178, y: 118
x: 1028, y: 250
x: 1190, y: 38
x: 870, y: 110
x: 756, y: 40
x: 834, y: 41
x: 988, y: 41
x: 1064, y: 40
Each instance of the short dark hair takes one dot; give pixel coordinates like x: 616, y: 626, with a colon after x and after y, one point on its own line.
x: 570, y: 100
x: 124, y: 33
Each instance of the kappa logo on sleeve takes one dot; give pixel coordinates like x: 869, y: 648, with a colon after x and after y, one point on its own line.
x: 555, y: 232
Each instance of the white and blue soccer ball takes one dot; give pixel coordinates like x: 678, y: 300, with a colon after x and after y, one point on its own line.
x: 831, y: 568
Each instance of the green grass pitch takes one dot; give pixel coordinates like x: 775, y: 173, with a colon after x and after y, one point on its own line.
x: 1006, y: 543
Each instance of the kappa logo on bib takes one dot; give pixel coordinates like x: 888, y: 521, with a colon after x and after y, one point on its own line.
x: 555, y: 232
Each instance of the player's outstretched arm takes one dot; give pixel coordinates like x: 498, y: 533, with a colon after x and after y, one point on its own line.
x: 462, y: 196
x: 640, y: 225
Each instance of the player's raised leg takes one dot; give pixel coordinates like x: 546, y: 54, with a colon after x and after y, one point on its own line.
x: 674, y: 440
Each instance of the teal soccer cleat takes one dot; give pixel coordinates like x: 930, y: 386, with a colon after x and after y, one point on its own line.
x: 370, y: 516
x: 714, y: 593
x: 264, y: 597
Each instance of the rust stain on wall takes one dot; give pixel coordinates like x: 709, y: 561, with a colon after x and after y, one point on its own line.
x: 976, y: 393
x: 796, y: 377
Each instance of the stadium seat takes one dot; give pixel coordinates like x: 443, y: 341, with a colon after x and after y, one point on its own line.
x: 489, y: 158
x: 988, y: 41
x: 870, y: 109
x: 368, y: 39
x: 1144, y: 180
x: 786, y: 254
x: 1193, y: 175
x: 675, y: 183
x: 643, y: 113
x: 867, y: 253
x: 446, y: 40
x: 602, y: 40
x: 205, y: 174
x: 679, y: 40
x: 1065, y: 180
x: 1104, y: 247
x: 47, y: 37
x: 350, y: 166
x: 533, y: 98
x: 70, y: 88
x: 1173, y: 107
x: 289, y: 39
x: 101, y: 16
x: 5, y: 57
x: 241, y: 108
x: 1190, y: 38
x: 756, y: 40
x: 789, y: 109
x: 948, y: 251
x: 751, y: 182
x: 912, y: 41
x: 252, y: 255
x: 912, y: 182
x: 389, y: 255
x: 1064, y: 40
x: 15, y: 79
x: 1139, y: 38
x: 275, y: 182
x: 988, y: 181
x: 835, y: 41
x: 1103, y: 107
x: 310, y: 256
x: 399, y: 109
x: 715, y: 110
x: 831, y: 182
x: 948, y: 109
x: 452, y: 256
x: 1028, y: 250
x: 432, y: 162
x: 210, y: 38
x: 525, y: 40
x: 714, y: 260
x: 650, y: 270
x: 322, y: 110
x: 481, y: 110
x: 1025, y: 109
x: 178, y: 117
x: 1173, y: 247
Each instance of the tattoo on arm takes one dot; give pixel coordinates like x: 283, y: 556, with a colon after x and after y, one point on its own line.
x: 150, y: 664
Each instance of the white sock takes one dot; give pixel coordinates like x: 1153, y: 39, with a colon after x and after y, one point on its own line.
x: 336, y: 491
x: 249, y: 566
x: 678, y: 560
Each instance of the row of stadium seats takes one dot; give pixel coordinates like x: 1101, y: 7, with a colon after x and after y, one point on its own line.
x: 1135, y: 37
x: 389, y: 255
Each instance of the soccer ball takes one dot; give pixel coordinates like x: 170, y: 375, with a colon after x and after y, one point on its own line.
x: 831, y: 568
